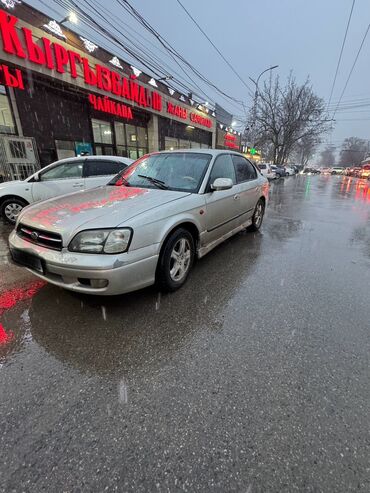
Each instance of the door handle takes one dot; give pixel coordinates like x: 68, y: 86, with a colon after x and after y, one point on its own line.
x: 236, y: 197
x: 77, y: 185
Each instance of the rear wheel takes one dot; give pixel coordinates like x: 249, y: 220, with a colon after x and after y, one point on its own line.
x: 257, y: 217
x: 176, y: 260
x: 11, y: 208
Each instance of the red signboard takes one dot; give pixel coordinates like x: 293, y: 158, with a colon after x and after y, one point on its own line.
x: 201, y: 120
x: 177, y: 110
x: 55, y: 57
x: 9, y: 79
x: 230, y: 141
x: 108, y: 106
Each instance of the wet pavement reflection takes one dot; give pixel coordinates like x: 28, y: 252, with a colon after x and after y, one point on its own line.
x: 253, y: 377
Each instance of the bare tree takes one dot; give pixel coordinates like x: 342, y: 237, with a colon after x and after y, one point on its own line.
x: 305, y: 149
x: 327, y: 157
x: 285, y: 115
x: 354, y: 150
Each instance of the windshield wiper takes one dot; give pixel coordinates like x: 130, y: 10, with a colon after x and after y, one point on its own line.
x: 158, y: 183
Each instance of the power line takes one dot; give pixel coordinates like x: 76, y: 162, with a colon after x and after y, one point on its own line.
x: 134, y: 13
x: 352, y: 68
x: 214, y: 46
x: 341, y: 52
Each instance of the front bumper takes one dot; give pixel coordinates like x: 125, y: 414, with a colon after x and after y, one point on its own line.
x: 74, y: 271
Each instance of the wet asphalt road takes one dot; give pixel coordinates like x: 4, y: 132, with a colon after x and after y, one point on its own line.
x: 252, y: 378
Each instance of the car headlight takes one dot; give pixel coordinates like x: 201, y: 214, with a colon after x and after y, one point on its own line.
x: 101, y: 241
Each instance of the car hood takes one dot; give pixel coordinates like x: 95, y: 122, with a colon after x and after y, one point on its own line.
x: 103, y: 207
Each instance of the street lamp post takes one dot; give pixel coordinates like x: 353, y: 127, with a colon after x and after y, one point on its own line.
x: 256, y: 92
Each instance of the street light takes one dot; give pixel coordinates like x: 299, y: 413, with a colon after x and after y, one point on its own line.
x: 256, y: 84
x: 72, y: 17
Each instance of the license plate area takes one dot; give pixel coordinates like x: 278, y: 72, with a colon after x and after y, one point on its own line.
x: 27, y: 260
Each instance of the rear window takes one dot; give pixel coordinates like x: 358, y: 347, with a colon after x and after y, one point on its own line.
x: 262, y: 166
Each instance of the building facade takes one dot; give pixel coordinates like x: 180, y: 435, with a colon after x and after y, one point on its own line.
x: 71, y: 96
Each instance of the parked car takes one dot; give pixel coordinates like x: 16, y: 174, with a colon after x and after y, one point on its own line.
x: 289, y: 171
x: 310, y: 171
x: 325, y: 171
x: 337, y: 170
x: 59, y: 178
x: 148, y: 224
x: 278, y: 170
x: 266, y: 171
x: 365, y: 172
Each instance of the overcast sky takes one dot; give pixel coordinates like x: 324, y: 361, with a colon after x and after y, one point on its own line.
x: 298, y: 35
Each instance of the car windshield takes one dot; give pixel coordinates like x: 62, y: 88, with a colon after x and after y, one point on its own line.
x: 182, y: 171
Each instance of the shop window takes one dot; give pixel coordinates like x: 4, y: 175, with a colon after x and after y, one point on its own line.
x: 142, y: 137
x: 131, y: 135
x: 102, y: 132
x: 119, y: 129
x: 141, y: 151
x: 7, y: 125
x: 65, y: 148
x: 170, y: 144
x: 194, y: 145
x: 132, y: 153
x: 184, y: 144
x: 122, y: 151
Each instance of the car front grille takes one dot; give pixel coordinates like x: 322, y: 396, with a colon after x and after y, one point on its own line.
x: 40, y: 237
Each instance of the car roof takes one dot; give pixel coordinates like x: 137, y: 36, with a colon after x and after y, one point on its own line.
x: 213, y: 152
x: 124, y: 160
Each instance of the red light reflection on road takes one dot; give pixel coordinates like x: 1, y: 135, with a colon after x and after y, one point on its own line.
x: 8, y: 299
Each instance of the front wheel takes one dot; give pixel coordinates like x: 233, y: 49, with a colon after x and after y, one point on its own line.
x: 257, y: 217
x: 176, y: 260
x: 11, y: 208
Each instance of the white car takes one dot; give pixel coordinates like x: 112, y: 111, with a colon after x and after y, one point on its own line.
x: 290, y: 171
x: 64, y: 176
x: 266, y: 171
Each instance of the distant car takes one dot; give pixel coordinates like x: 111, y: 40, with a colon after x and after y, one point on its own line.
x: 289, y: 171
x: 64, y: 176
x: 337, y: 170
x: 365, y: 172
x: 266, y: 171
x: 325, y: 171
x: 310, y: 171
x: 278, y: 170
x: 147, y: 225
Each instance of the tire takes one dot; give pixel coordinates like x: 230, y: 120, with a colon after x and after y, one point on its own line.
x: 11, y: 208
x: 257, y: 217
x: 168, y: 278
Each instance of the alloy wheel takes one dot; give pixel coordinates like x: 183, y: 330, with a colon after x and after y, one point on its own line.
x: 12, y: 211
x: 180, y: 259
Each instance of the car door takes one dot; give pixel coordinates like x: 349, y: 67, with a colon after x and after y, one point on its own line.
x: 62, y: 178
x: 250, y: 186
x: 100, y: 171
x: 223, y: 207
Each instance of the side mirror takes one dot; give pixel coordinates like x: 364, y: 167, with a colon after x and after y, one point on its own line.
x: 222, y: 184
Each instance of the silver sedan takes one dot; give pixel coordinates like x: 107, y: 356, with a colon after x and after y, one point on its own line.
x: 147, y: 225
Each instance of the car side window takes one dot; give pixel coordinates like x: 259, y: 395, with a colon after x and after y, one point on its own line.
x: 222, y: 168
x: 244, y: 169
x: 63, y: 171
x: 100, y: 167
